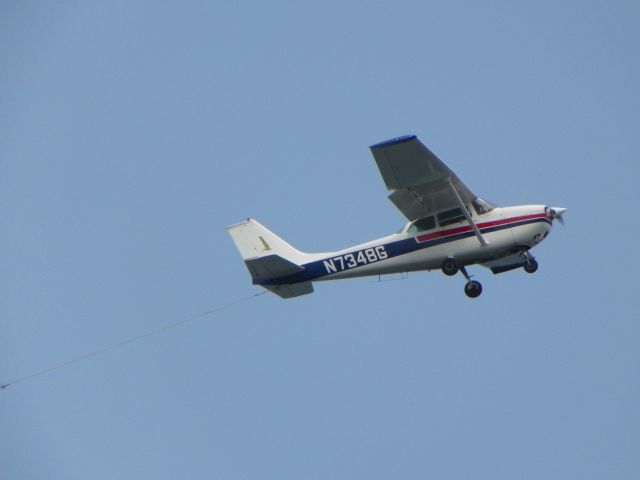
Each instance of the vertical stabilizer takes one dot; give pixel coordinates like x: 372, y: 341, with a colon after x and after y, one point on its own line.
x: 254, y: 240
x: 268, y: 257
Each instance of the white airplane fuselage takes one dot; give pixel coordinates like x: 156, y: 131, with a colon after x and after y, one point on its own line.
x: 450, y: 228
x: 506, y: 230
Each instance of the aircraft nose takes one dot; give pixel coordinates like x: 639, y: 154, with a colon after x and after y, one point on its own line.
x: 556, y: 213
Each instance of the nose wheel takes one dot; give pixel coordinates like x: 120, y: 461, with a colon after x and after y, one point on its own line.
x: 532, y: 265
x: 472, y: 288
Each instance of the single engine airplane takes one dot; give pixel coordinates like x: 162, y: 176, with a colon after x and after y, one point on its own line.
x: 449, y: 229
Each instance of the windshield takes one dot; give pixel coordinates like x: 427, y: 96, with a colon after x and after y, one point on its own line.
x: 481, y: 206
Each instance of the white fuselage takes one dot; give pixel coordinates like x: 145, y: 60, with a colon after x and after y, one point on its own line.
x: 507, y: 230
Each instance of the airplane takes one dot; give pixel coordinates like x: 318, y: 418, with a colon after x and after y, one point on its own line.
x: 449, y: 228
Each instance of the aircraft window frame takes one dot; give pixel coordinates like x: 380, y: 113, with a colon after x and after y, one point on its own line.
x: 422, y: 224
x: 453, y: 215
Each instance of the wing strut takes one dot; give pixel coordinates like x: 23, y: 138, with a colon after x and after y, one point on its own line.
x: 466, y: 214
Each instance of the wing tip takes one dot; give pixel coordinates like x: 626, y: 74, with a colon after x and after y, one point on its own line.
x: 394, y: 141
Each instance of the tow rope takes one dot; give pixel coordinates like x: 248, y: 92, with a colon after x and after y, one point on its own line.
x: 129, y: 340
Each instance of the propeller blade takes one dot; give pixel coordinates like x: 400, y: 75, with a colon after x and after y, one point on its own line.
x: 557, y: 212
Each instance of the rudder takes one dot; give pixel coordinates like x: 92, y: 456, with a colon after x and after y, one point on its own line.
x: 268, y: 257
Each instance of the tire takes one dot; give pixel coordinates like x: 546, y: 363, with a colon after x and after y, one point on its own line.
x: 450, y: 267
x: 473, y: 289
x: 531, y: 267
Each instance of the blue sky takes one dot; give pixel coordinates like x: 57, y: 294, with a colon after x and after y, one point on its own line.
x: 132, y: 133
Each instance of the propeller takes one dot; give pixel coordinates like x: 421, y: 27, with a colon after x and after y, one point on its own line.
x: 555, y: 213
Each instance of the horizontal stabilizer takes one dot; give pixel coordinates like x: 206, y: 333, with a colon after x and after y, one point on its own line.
x: 270, y: 267
x: 291, y: 290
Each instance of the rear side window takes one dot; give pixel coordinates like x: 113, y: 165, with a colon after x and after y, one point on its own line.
x: 426, y: 223
x: 450, y: 216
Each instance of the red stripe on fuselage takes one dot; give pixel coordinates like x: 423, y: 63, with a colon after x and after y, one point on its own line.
x: 467, y: 228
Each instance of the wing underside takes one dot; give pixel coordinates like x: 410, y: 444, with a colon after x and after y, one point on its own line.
x: 420, y: 183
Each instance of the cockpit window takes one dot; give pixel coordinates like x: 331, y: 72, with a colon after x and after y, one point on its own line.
x: 450, y: 216
x: 426, y: 223
x: 481, y: 206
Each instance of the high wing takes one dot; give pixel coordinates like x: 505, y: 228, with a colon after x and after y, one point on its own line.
x: 420, y: 182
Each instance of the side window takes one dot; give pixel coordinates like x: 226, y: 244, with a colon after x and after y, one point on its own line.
x: 426, y: 223
x: 450, y: 216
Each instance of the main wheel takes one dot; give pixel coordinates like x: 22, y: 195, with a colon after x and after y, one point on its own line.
x: 473, y: 289
x: 531, y: 267
x: 450, y: 267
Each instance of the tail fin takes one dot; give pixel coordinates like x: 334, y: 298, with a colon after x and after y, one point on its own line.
x: 255, y: 240
x: 268, y: 257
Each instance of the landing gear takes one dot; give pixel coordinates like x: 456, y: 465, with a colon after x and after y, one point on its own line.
x: 472, y: 288
x: 531, y: 265
x: 450, y: 267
